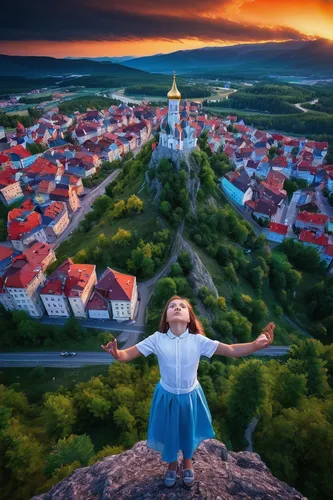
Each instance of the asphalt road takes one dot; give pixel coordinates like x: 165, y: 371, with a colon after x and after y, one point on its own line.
x: 86, y: 203
x: 53, y: 359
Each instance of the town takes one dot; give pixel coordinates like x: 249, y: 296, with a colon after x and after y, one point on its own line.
x: 49, y: 188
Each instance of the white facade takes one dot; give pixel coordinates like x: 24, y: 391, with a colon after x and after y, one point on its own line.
x: 56, y: 305
x: 98, y: 314
x: 7, y: 301
x: 11, y: 193
x: 27, y: 299
x: 78, y: 302
x: 121, y: 309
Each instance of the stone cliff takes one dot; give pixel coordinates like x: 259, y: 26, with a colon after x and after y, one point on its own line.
x: 139, y: 474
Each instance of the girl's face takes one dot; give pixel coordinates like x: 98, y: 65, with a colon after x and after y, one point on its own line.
x: 178, y: 312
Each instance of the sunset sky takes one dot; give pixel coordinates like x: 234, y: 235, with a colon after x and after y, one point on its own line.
x: 117, y: 27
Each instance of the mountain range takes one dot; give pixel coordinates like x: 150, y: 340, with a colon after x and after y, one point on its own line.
x: 33, y: 66
x: 299, y: 58
x: 304, y: 58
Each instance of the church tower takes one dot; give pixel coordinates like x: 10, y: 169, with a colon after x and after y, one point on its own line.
x: 173, y: 110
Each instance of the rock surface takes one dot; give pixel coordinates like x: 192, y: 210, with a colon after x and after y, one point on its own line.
x: 138, y: 474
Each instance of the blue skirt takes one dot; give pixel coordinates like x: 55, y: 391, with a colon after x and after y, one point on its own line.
x: 178, y: 422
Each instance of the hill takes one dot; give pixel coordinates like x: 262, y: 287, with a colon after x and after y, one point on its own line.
x: 138, y: 473
x: 33, y: 67
x: 297, y: 58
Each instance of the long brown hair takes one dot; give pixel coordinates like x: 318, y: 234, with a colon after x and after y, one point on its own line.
x: 194, y: 326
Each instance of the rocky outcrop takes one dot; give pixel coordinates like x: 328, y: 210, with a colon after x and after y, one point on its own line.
x: 199, y: 275
x: 176, y: 157
x: 139, y: 474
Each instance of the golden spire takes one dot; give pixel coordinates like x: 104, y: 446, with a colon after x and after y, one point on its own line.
x: 174, y: 92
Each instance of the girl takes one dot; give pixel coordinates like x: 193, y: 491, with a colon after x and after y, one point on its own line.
x: 179, y: 415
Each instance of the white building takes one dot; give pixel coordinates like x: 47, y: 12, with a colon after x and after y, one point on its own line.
x: 68, y: 289
x: 120, y: 292
x: 23, y: 287
x: 176, y: 131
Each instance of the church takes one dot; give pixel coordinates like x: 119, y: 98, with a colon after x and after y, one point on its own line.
x: 176, y: 130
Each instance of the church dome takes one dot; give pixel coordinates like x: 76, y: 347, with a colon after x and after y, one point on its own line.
x: 174, y: 92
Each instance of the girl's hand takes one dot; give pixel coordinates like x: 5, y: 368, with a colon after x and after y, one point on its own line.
x: 111, y: 348
x: 266, y: 337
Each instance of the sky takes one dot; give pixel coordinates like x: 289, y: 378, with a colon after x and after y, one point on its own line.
x: 82, y: 28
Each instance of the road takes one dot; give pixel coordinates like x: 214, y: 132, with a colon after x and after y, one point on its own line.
x: 121, y: 97
x: 53, y: 359
x: 298, y: 105
x: 146, y: 288
x: 323, y: 204
x: 100, y: 324
x: 86, y: 203
x: 89, y: 199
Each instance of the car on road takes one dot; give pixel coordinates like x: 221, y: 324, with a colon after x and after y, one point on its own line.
x: 67, y: 354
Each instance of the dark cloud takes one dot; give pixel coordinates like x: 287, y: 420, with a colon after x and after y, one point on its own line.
x: 72, y: 20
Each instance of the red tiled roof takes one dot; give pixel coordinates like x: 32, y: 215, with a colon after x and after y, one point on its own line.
x: 329, y: 250
x: 310, y: 237
x: 5, y: 252
x: 52, y: 287
x: 27, y: 205
x: 17, y: 228
x: 97, y: 302
x: 54, y: 209
x: 19, y: 150
x: 4, y: 158
x: 312, y: 218
x: 275, y: 227
x: 21, y: 278
x: 37, y: 253
x: 118, y: 285
x: 78, y: 277
x: 61, y: 192
x: 7, y: 177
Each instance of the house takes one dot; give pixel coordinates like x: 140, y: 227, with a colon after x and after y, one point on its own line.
x: 310, y: 238
x: 39, y: 255
x: 19, y: 156
x: 97, y: 306
x: 10, y: 188
x: 311, y: 221
x: 120, y: 290
x: 7, y: 255
x: 237, y: 187
x: 68, y: 289
x: 68, y: 195
x: 327, y: 254
x: 261, y: 208
x: 277, y: 232
x: 55, y: 218
x: 22, y: 286
x: 26, y: 228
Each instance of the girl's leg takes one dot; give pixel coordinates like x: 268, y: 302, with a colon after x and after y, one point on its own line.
x: 187, y: 463
x: 173, y: 465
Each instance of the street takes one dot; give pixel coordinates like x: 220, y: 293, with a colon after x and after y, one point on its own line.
x: 53, y: 359
x: 322, y: 202
x: 85, y: 202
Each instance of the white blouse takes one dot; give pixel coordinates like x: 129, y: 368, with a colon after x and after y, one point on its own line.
x: 178, y: 357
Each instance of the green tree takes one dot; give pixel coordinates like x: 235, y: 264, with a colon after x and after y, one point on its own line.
x: 246, y: 397
x: 60, y: 414
x: 134, y: 204
x: 68, y: 450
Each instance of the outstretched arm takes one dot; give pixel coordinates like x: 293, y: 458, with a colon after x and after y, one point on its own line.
x: 237, y: 350
x: 123, y: 355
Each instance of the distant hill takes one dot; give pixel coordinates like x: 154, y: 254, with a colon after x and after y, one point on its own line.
x: 36, y: 67
x: 297, y: 58
x: 105, y: 59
